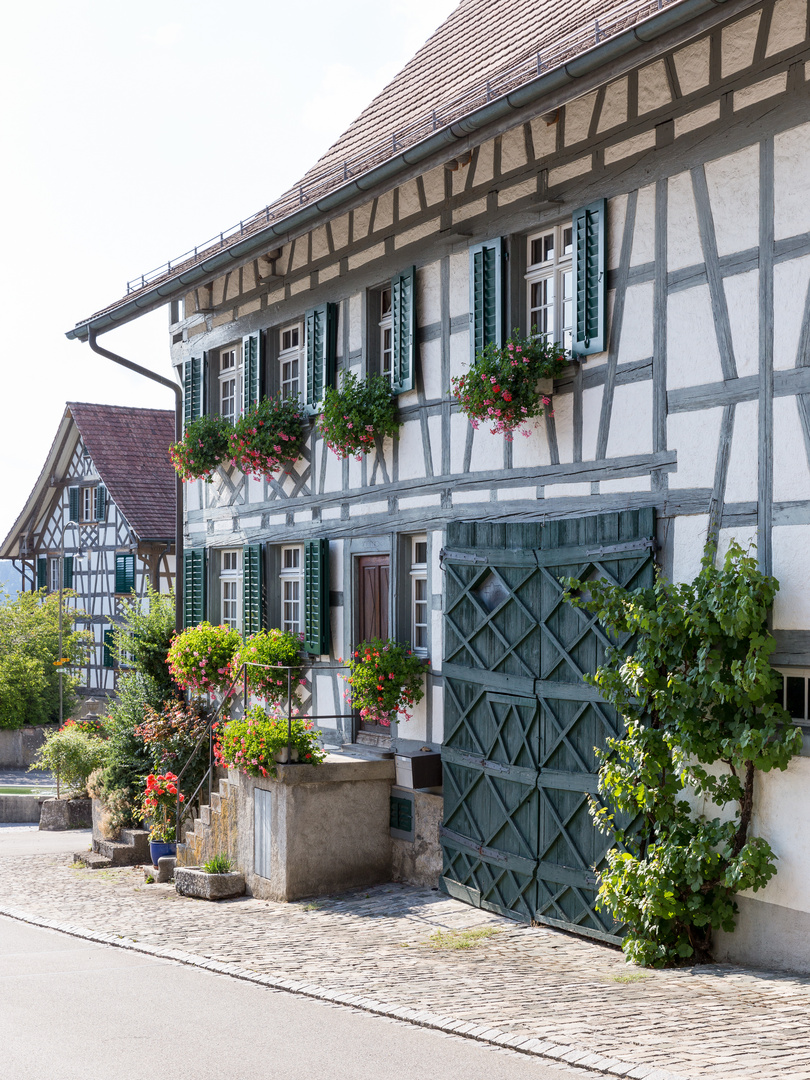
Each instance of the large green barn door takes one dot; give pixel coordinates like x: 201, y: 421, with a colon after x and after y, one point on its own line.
x: 521, y: 725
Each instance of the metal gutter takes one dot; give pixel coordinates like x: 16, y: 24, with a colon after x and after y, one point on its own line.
x: 566, y: 75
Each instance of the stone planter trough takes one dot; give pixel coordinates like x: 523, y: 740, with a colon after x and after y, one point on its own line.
x: 194, y: 881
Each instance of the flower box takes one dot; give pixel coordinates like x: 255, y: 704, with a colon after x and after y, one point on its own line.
x: 196, y: 882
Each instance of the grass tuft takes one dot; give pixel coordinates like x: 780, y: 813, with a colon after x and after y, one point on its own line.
x: 461, y: 939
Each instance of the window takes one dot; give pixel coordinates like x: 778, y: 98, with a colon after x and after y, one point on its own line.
x: 794, y: 695
x: 550, y: 284
x: 419, y: 596
x: 230, y: 581
x: 289, y: 359
x: 229, y: 383
x: 291, y: 577
x: 386, y: 333
x: 88, y: 504
x: 178, y: 310
x: 53, y: 574
x: 124, y: 573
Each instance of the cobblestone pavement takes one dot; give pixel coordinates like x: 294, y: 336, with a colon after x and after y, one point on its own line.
x: 532, y: 982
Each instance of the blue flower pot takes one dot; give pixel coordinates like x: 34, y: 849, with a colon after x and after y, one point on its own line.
x: 159, y: 848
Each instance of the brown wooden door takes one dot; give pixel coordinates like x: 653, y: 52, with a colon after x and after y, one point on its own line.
x: 371, y: 605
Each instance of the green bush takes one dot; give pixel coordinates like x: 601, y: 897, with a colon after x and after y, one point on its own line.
x: 143, y: 638
x: 30, y: 661
x: 249, y: 744
x: 71, y: 755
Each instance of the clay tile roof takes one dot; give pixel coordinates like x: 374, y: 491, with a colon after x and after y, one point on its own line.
x: 130, y: 449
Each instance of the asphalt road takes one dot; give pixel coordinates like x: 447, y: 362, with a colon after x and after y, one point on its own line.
x: 74, y: 1010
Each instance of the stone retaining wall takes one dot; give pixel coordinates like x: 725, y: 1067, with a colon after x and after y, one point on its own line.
x: 20, y: 809
x: 19, y: 748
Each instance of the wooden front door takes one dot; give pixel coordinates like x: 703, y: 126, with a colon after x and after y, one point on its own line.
x: 371, y: 605
x: 521, y: 726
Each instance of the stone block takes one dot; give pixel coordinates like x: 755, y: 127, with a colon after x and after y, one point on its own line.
x: 59, y: 814
x: 194, y: 881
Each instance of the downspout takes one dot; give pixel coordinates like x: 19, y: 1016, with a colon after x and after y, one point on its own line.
x: 178, y: 488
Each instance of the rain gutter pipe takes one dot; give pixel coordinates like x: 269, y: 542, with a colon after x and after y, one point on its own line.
x: 178, y: 483
x: 668, y: 19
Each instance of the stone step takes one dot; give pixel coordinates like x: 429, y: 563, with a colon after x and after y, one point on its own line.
x: 92, y: 860
x: 216, y: 802
x: 205, y: 815
x: 121, y: 854
x: 136, y: 838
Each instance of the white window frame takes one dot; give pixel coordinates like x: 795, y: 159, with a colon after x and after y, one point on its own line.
x: 291, y: 579
x: 419, y: 604
x: 800, y: 673
x: 386, y: 325
x: 230, y: 378
x: 292, y: 355
x: 88, y: 495
x: 53, y: 573
x: 230, y: 587
x: 553, y: 273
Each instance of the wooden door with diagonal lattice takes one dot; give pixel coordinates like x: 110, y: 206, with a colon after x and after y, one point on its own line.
x: 521, y: 725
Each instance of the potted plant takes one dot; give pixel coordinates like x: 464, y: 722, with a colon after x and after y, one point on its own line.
x: 503, y: 387
x: 158, y: 808
x: 275, y: 648
x: 200, y: 657
x: 256, y: 743
x: 354, y: 416
x: 268, y: 434
x: 202, y: 449
x: 385, y: 679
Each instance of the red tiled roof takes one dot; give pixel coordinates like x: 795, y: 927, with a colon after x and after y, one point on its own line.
x: 130, y: 449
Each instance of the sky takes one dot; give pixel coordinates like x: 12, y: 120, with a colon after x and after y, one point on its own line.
x: 132, y: 132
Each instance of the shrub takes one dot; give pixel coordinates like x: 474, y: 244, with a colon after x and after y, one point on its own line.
x: 270, y: 433
x: 278, y: 648
x: 143, y: 637
x: 385, y: 679
x: 172, y: 732
x: 202, y: 449
x: 250, y: 743
x: 200, y: 658
x: 71, y: 755
x: 355, y: 415
x: 501, y: 387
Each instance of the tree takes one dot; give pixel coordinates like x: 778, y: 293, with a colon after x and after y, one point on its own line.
x: 143, y: 638
x: 697, y: 696
x: 30, y: 660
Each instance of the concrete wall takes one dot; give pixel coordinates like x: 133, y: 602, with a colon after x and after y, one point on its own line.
x: 419, y: 861
x: 19, y: 748
x: 20, y: 809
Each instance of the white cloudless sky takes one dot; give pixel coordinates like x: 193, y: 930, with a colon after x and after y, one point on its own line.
x: 132, y: 132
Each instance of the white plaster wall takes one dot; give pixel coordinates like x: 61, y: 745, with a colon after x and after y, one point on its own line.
x: 741, y: 477
x: 459, y: 354
x: 533, y: 450
x: 788, y: 25
x: 688, y: 543
x: 791, y: 182
x: 692, y: 354
x: 643, y: 250
x: 487, y: 450
x: 563, y: 407
x: 695, y: 436
x: 742, y: 301
x: 683, y: 235
x: 733, y: 183
x: 428, y: 294
x: 636, y: 342
x: 631, y: 420
x: 790, y: 285
x: 432, y: 369
x: 617, y: 211
x: 458, y: 437
x: 791, y: 608
x: 355, y: 323
x: 791, y: 476
x: 411, y: 454
x: 745, y: 536
x: 591, y: 413
x: 459, y: 265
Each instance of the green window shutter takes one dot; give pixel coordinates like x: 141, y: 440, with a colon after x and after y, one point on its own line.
x: 124, y: 573
x: 590, y: 279
x: 316, y: 597
x: 321, y: 349
x: 251, y: 370
x: 486, y: 295
x: 73, y: 504
x: 193, y: 389
x: 252, y: 592
x: 101, y: 503
x: 403, y: 361
x: 193, y: 586
x: 108, y: 653
x: 42, y: 573
x: 67, y: 572
x: 401, y: 815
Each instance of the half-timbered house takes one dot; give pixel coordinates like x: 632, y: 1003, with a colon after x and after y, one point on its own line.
x: 101, y: 516
x: 634, y: 179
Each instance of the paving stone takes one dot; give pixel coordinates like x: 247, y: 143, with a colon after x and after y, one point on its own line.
x: 529, y: 988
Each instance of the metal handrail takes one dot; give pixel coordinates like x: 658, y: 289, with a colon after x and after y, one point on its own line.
x: 530, y: 66
x: 241, y: 675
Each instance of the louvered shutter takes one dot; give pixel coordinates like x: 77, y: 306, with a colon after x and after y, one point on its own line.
x: 252, y: 592
x: 590, y: 279
x: 101, y: 503
x: 67, y: 572
x: 42, y: 573
x: 403, y: 344
x: 73, y: 504
x: 251, y: 370
x: 486, y: 295
x: 194, y: 372
x: 124, y: 573
x: 316, y: 596
x: 108, y: 659
x: 193, y: 586
x: 321, y: 350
